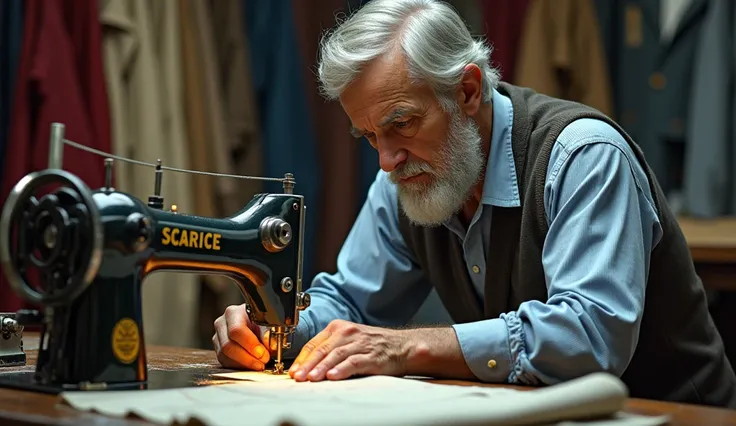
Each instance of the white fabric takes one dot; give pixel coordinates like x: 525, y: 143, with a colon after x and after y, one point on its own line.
x: 376, y: 400
x: 670, y: 15
x: 253, y: 376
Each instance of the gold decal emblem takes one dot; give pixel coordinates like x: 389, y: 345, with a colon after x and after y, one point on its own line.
x: 126, y: 341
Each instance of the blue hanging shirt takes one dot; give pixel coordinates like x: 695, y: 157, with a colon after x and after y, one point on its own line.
x: 285, y: 122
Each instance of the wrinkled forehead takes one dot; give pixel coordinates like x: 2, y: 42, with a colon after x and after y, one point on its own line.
x: 383, y: 88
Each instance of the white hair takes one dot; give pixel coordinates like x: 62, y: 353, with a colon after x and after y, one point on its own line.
x: 434, y: 39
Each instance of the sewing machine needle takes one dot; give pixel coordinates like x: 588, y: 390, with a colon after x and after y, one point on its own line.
x: 278, y: 367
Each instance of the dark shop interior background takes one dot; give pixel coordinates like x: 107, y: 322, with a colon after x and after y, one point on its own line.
x: 230, y: 86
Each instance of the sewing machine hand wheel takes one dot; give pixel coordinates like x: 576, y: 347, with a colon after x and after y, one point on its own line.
x: 60, y: 235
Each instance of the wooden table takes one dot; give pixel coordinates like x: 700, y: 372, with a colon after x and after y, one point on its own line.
x: 713, y: 247
x: 29, y: 408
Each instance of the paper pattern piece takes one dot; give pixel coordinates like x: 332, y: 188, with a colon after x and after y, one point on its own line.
x: 253, y: 376
x: 371, y: 401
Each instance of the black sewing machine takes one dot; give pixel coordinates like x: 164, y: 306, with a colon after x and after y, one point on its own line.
x: 89, y: 251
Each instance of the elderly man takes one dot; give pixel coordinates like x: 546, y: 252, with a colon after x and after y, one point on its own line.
x: 537, y: 220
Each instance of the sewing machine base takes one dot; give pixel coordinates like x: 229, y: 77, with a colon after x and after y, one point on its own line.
x: 11, y: 341
x: 15, y: 360
x: 157, y: 379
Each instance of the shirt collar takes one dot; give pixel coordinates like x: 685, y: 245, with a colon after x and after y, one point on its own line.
x: 500, y: 186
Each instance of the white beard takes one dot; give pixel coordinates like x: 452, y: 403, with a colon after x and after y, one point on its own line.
x: 460, y: 164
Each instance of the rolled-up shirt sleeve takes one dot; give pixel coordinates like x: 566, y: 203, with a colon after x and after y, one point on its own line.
x: 485, y: 347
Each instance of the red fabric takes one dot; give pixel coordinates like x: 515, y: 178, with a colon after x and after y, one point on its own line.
x: 60, y: 79
x: 504, y: 22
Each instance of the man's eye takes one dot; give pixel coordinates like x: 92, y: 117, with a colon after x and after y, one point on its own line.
x: 402, y: 124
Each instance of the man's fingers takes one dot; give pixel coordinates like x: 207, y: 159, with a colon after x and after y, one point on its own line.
x: 245, y: 338
x: 221, y: 358
x: 266, y: 340
x: 232, y: 355
x: 354, y: 365
x: 311, y: 354
x: 226, y: 362
x: 304, y: 353
x: 336, y: 356
x: 239, y: 331
x: 215, y: 343
x: 309, y: 347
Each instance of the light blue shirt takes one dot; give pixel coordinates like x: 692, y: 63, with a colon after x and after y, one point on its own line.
x: 602, y: 228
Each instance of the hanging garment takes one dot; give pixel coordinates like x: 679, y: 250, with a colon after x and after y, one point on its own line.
x: 504, y: 21
x: 11, y: 36
x: 225, y: 188
x: 610, y: 33
x: 244, y: 145
x: 288, y: 134
x: 59, y: 79
x: 710, y: 153
x: 652, y: 78
x: 561, y: 53
x: 200, y: 154
x: 143, y: 71
x: 671, y: 13
x: 337, y: 148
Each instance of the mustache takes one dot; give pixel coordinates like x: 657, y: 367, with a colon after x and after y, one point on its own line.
x: 410, y: 169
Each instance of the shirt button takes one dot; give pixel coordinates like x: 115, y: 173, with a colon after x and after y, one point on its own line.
x: 476, y: 269
x: 492, y: 363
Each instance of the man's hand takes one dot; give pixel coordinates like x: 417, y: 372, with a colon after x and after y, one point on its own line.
x: 238, y: 342
x: 344, y: 349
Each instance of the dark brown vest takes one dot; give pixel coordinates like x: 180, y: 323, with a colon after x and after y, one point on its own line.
x: 679, y: 357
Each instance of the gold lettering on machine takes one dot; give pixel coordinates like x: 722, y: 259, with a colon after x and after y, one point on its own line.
x: 190, y: 238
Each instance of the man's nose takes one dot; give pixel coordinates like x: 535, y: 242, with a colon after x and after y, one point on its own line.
x: 390, y: 157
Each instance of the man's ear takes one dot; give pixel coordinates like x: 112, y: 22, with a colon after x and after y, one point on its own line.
x: 470, y: 93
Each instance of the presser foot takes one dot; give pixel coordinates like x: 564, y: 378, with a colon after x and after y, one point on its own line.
x: 277, y: 338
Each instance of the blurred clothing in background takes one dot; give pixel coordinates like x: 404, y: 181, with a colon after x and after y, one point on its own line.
x: 709, y: 187
x: 11, y: 36
x: 561, y: 53
x: 59, y: 78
